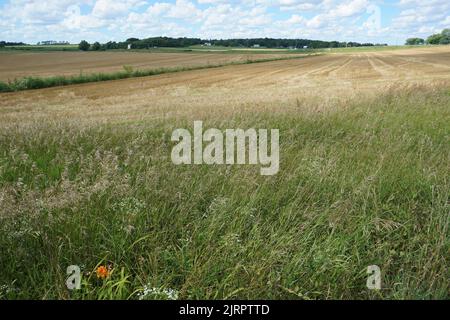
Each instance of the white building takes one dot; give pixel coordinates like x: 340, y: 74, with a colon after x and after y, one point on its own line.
x: 51, y: 42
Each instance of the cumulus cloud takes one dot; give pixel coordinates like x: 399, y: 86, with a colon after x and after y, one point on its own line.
x: 356, y: 20
x: 110, y: 9
x: 421, y: 18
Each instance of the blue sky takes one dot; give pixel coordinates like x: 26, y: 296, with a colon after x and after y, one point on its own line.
x: 386, y: 21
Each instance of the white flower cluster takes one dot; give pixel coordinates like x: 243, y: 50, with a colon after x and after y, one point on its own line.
x: 158, y: 293
x: 130, y: 205
x: 5, y: 290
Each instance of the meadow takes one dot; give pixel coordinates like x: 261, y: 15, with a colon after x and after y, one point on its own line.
x: 86, y: 179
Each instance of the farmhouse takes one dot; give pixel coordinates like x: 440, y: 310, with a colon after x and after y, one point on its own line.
x: 51, y: 42
x: 47, y: 43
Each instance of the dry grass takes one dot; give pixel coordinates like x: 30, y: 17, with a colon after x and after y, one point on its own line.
x: 326, y: 79
x: 45, y: 64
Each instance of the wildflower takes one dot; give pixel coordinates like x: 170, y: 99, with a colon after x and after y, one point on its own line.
x: 158, y: 293
x: 129, y: 229
x: 102, y: 272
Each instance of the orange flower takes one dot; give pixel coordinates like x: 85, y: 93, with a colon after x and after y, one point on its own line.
x: 102, y: 272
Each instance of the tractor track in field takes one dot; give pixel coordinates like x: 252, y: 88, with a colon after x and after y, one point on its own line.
x: 274, y: 83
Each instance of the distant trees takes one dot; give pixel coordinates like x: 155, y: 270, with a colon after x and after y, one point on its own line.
x: 84, y: 45
x: 6, y: 44
x: 440, y: 38
x: 415, y: 41
x: 287, y: 43
x: 96, y: 46
x: 434, y: 39
x: 244, y: 43
x: 445, y: 36
x: 114, y: 45
x: 247, y: 43
x: 162, y: 42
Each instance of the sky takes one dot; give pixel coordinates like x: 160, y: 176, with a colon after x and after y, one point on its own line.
x: 376, y: 21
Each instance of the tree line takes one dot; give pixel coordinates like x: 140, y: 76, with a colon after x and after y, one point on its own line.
x: 287, y: 43
x: 438, y: 38
x: 7, y: 44
x: 149, y: 43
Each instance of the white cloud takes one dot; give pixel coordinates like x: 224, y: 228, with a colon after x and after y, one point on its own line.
x: 109, y: 9
x: 183, y: 9
x: 295, y: 19
x: 33, y: 20
x: 421, y: 18
x: 350, y: 9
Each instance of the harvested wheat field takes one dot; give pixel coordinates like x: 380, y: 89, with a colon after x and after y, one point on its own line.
x: 86, y: 179
x: 44, y: 64
x: 275, y: 84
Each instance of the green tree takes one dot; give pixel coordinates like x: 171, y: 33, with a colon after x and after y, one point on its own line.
x: 444, y: 40
x: 96, y: 46
x: 445, y: 37
x: 414, y: 41
x: 434, y: 39
x: 84, y: 45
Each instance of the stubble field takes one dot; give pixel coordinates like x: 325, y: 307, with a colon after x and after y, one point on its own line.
x: 16, y: 64
x: 86, y: 179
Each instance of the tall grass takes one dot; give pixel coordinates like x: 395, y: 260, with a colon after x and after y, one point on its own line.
x: 367, y: 184
x: 28, y: 83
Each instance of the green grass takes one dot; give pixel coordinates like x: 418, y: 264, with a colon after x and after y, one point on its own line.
x: 213, y: 49
x: 29, y: 83
x: 42, y: 48
x: 367, y: 184
x: 191, y: 49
